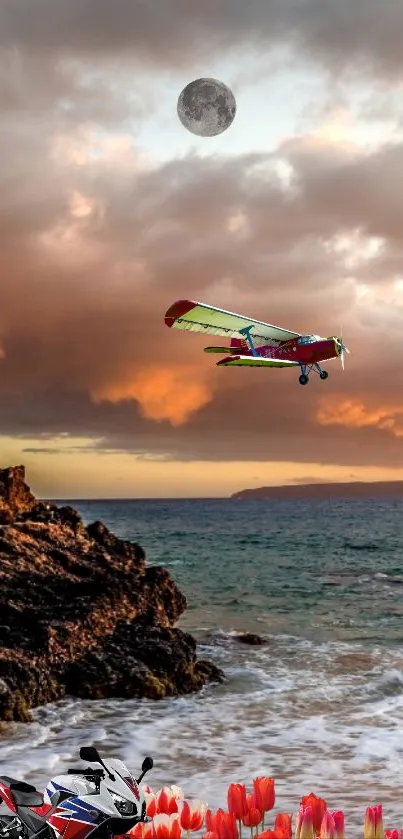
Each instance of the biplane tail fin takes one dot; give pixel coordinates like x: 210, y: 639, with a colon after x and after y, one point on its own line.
x: 227, y: 351
x: 239, y: 345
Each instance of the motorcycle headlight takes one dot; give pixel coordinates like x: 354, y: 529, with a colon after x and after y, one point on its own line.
x: 123, y: 806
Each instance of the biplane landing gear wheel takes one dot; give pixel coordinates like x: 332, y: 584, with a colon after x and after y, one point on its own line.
x: 323, y: 374
x: 303, y: 379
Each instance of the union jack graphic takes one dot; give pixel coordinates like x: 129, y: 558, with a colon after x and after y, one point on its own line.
x: 133, y: 787
x: 72, y: 813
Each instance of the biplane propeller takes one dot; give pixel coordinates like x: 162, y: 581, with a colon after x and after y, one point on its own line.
x: 254, y: 343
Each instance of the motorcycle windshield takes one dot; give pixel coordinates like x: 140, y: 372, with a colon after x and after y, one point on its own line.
x: 120, y: 767
x: 85, y: 787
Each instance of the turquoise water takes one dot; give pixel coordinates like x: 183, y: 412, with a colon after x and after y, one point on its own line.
x: 317, y: 570
x: 319, y: 706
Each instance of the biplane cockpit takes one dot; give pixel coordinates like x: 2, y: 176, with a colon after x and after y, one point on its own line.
x: 308, y: 339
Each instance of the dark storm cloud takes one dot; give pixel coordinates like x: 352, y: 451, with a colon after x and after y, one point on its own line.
x: 280, y: 427
x: 359, y: 33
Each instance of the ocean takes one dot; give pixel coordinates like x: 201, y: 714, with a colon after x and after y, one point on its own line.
x: 319, y: 706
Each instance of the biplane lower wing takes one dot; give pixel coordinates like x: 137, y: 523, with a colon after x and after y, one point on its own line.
x: 254, y: 361
x: 198, y: 317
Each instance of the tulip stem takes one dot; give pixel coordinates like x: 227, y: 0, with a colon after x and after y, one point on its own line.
x: 240, y: 828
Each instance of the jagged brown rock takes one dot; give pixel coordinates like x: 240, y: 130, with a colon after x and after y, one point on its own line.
x: 81, y: 613
x: 15, y: 495
x: 251, y: 639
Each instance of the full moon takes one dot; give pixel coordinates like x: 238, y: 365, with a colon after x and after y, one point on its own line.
x: 206, y: 107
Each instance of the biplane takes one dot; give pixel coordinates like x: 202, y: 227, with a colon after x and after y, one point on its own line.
x: 254, y: 343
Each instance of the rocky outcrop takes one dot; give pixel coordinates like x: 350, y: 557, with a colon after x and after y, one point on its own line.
x: 81, y: 613
x: 15, y: 496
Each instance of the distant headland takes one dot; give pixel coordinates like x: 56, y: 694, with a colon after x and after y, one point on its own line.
x: 299, y: 492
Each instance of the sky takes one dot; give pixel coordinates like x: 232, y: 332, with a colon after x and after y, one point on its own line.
x: 110, y: 211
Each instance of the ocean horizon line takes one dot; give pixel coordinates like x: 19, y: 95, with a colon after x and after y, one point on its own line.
x: 249, y: 493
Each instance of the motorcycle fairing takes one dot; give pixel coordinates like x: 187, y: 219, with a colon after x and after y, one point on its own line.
x: 77, y: 818
x: 19, y: 794
x: 6, y: 794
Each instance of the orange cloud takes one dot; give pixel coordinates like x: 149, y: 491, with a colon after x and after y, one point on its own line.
x: 353, y: 413
x: 164, y: 393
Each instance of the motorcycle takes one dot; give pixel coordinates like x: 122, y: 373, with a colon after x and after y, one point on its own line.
x: 102, y: 803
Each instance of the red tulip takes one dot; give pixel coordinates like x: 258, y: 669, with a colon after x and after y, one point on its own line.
x: 304, y: 823
x: 167, y: 801
x: 151, y: 804
x: 142, y: 831
x: 177, y: 792
x: 237, y: 800
x: 373, y: 823
x: 394, y: 834
x: 253, y: 816
x: 282, y: 826
x: 167, y: 827
x: 338, y: 818
x: 213, y: 820
x: 223, y: 824
x: 264, y: 794
x: 228, y: 827
x: 319, y: 808
x: 191, y: 814
x: 327, y: 827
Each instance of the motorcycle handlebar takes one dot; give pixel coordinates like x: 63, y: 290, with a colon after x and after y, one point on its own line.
x: 97, y: 773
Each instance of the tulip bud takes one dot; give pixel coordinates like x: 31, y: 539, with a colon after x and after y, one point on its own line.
x: 191, y: 814
x: 373, y: 823
x: 282, y: 826
x: 304, y: 824
x: 318, y: 806
x: 166, y: 801
x: 167, y: 826
x: 237, y: 800
x: 338, y: 818
x: 253, y: 816
x: 264, y: 794
x: 151, y: 804
x: 327, y: 827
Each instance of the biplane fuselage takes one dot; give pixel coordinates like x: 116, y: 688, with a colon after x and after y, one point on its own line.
x: 310, y: 349
x: 255, y: 343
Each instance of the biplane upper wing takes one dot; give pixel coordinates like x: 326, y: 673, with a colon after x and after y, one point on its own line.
x: 254, y: 361
x: 198, y: 317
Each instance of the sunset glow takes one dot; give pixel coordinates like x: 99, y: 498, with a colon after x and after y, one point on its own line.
x: 111, y: 211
